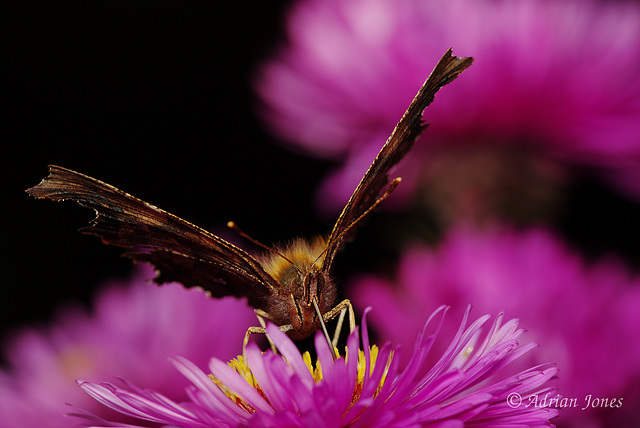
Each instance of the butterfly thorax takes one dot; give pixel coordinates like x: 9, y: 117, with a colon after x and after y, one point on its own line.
x: 298, y: 270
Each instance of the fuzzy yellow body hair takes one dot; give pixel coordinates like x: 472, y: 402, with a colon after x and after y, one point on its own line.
x: 302, y: 253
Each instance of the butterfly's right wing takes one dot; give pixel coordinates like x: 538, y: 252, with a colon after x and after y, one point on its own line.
x: 397, y: 146
x: 179, y: 250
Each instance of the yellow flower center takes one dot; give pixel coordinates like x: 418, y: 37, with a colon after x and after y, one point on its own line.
x: 240, y: 366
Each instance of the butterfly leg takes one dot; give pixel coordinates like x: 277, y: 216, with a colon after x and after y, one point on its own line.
x: 250, y: 331
x: 336, y: 333
x: 260, y: 330
x: 341, y: 308
x: 262, y: 316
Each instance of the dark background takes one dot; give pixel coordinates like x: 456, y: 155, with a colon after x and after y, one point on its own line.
x: 155, y: 98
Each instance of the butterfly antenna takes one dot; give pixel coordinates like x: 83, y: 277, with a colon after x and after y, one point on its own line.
x: 390, y: 189
x: 231, y: 225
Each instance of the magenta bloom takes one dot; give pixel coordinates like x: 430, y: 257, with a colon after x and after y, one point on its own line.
x: 586, y: 316
x: 555, y: 85
x: 132, y: 331
x: 364, y: 388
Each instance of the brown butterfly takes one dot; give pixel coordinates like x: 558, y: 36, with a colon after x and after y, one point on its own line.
x: 291, y: 286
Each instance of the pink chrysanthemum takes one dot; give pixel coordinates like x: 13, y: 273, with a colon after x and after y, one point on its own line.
x: 555, y: 86
x: 133, y: 330
x: 364, y: 388
x: 586, y: 315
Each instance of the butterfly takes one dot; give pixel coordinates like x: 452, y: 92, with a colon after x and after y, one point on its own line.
x: 289, y: 286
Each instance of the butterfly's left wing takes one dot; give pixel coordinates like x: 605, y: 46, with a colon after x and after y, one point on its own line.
x: 179, y: 250
x: 399, y: 143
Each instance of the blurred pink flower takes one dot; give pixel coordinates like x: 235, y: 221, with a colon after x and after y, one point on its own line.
x: 585, y: 315
x: 555, y: 87
x: 134, y: 329
x: 363, y: 388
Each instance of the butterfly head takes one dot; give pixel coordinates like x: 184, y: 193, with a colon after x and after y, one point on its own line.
x: 304, y: 286
x: 298, y: 269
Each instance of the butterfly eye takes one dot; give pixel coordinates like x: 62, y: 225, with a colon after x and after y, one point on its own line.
x: 297, y: 288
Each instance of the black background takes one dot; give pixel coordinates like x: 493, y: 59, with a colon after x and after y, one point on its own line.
x: 155, y: 98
